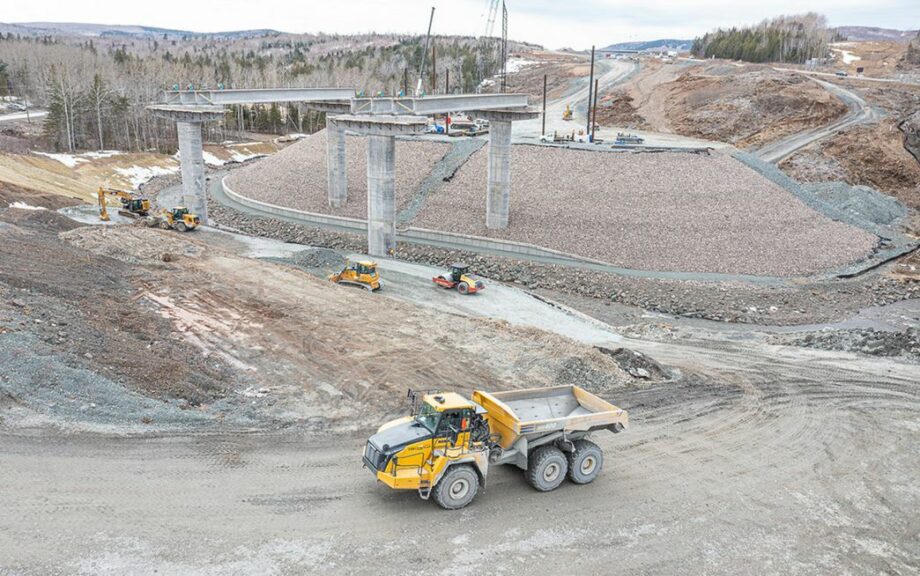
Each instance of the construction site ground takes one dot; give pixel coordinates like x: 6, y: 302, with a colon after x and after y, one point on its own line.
x: 195, y: 404
x: 172, y: 405
x: 745, y: 105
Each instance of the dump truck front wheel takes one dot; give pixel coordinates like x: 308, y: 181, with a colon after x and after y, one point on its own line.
x: 547, y: 468
x: 585, y: 462
x: 457, y: 488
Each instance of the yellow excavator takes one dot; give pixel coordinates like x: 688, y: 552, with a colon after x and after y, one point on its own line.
x: 131, y: 207
x: 362, y: 273
x: 567, y: 113
x: 179, y: 218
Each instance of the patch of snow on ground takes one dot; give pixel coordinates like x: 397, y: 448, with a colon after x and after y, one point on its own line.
x: 847, y: 56
x: 24, y: 206
x: 212, y: 160
x: 73, y: 160
x: 68, y: 160
x: 240, y: 157
x: 101, y: 154
x: 515, y: 64
x: 138, y: 175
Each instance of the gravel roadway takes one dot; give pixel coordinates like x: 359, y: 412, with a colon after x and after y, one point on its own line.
x: 759, y: 460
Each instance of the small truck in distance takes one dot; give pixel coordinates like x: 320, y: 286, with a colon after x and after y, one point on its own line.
x: 445, y: 446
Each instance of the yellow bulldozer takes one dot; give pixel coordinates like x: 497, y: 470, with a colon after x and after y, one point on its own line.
x: 131, y: 207
x: 445, y: 447
x: 179, y: 218
x: 362, y: 273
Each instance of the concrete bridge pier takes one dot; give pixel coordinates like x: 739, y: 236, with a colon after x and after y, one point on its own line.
x: 381, y: 195
x: 498, y: 191
x: 191, y: 153
x: 381, y: 173
x: 336, y: 171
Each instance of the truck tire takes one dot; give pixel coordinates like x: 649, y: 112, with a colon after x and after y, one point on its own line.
x: 585, y: 462
x: 457, y: 488
x: 547, y: 468
x: 181, y: 227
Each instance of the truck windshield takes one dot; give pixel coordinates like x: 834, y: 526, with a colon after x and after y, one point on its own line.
x: 428, y: 417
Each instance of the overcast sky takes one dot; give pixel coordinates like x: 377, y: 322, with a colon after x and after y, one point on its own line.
x: 553, y: 23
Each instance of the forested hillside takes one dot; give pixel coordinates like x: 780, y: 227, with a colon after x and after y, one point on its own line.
x: 793, y: 39
x: 96, y: 90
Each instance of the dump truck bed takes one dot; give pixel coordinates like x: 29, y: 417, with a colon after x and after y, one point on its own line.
x: 537, y: 412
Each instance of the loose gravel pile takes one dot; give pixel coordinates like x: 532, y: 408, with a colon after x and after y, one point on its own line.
x: 296, y: 176
x: 861, y: 340
x: 666, y: 211
x: 859, y: 201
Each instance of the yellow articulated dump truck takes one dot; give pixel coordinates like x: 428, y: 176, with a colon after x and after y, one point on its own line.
x: 445, y: 446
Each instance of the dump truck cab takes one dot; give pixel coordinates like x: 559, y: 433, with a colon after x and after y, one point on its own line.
x: 362, y: 273
x: 445, y: 446
x: 444, y: 433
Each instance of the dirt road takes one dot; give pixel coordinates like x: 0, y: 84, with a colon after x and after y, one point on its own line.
x: 860, y: 113
x: 609, y: 73
x: 758, y: 460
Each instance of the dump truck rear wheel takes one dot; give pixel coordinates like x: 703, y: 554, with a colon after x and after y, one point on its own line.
x: 457, y: 488
x: 547, y: 468
x: 585, y: 462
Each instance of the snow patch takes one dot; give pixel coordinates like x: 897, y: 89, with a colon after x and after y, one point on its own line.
x: 516, y: 64
x: 211, y: 160
x: 73, y: 160
x: 847, y: 56
x: 139, y: 175
x: 24, y: 206
x: 240, y: 157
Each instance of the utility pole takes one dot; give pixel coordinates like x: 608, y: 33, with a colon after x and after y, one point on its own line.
x: 590, y: 86
x: 447, y: 81
x: 594, y: 112
x: 434, y: 68
x: 504, y: 46
x: 421, y: 66
x: 406, y: 81
x: 543, y: 130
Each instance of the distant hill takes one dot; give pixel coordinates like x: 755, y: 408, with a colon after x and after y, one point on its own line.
x: 115, y: 30
x: 662, y: 44
x: 867, y: 33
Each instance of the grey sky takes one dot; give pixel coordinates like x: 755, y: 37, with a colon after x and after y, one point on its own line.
x: 554, y: 23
